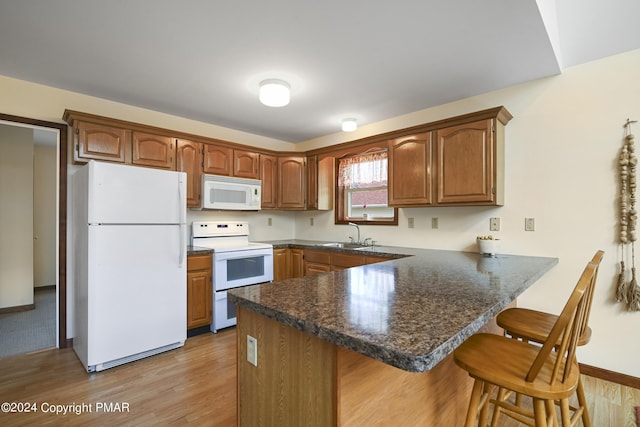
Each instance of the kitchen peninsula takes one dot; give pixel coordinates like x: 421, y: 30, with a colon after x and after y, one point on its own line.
x: 371, y: 345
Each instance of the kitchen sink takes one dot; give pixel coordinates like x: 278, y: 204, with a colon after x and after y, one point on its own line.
x: 345, y: 245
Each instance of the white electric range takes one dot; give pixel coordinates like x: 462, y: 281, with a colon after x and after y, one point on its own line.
x: 236, y: 262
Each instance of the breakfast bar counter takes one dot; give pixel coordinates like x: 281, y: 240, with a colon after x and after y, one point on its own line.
x: 374, y: 341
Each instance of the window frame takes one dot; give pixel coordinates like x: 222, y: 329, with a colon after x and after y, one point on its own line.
x: 340, y: 196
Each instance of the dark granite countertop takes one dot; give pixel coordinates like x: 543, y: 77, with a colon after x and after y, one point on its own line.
x: 198, y: 250
x: 409, y: 312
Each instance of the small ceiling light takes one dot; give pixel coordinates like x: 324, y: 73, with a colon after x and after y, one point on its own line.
x: 349, y: 125
x: 274, y: 93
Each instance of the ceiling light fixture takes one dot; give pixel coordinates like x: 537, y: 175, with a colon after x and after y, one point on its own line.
x: 349, y: 125
x: 274, y: 92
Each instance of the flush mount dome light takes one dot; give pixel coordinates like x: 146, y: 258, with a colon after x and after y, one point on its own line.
x: 349, y: 125
x: 274, y: 92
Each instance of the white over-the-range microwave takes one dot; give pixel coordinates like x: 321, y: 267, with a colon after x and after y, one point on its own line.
x: 230, y: 193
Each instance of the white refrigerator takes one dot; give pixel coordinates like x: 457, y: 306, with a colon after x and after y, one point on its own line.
x: 129, y: 263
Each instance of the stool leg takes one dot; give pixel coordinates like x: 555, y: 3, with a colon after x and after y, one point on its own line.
x: 484, y: 402
x: 472, y: 411
x: 539, y: 412
x: 565, y: 413
x: 582, y: 402
x: 502, y: 392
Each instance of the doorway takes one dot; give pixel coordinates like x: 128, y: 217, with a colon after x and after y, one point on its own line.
x: 60, y: 131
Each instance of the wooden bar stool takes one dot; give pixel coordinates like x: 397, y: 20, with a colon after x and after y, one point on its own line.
x: 534, y: 326
x: 546, y: 373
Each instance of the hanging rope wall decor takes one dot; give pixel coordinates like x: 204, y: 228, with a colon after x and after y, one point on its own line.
x: 628, y: 293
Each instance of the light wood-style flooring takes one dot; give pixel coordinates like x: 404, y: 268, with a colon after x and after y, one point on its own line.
x: 193, y: 385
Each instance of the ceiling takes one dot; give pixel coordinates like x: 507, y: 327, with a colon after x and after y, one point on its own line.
x: 367, y: 59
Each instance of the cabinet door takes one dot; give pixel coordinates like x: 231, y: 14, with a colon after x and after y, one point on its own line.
x: 465, y: 159
x: 269, y: 177
x: 297, y: 263
x: 291, y: 183
x: 217, y: 160
x: 246, y: 164
x: 153, y: 150
x: 189, y: 160
x: 199, y: 298
x: 281, y: 264
x: 100, y: 142
x: 410, y: 170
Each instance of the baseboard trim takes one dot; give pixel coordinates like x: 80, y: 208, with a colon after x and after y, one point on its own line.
x: 44, y: 288
x: 614, y: 377
x: 17, y: 308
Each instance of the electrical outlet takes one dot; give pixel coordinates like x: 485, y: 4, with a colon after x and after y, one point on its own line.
x: 434, y: 222
x: 494, y: 224
x: 410, y: 222
x: 311, y: 221
x: 252, y: 350
x: 269, y: 222
x: 529, y: 224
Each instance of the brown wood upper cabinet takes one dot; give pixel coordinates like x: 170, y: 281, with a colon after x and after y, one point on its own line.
x: 189, y: 160
x: 320, y: 183
x: 459, y: 162
x: 246, y: 164
x: 468, y: 170
x: 153, y: 150
x: 269, y: 177
x: 219, y: 160
x: 291, y: 183
x: 94, y: 141
x: 409, y: 165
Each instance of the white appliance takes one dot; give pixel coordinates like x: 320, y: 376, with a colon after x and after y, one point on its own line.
x: 236, y: 262
x: 129, y: 263
x: 231, y: 193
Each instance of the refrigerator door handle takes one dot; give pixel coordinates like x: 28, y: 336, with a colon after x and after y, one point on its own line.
x: 183, y: 246
x: 182, y: 229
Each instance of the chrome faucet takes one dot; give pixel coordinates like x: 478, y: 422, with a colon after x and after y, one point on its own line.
x: 358, y: 228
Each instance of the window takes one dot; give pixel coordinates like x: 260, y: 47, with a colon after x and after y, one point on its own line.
x: 362, y: 190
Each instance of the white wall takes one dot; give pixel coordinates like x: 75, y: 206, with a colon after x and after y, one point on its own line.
x: 16, y: 220
x: 561, y: 149
x: 561, y: 153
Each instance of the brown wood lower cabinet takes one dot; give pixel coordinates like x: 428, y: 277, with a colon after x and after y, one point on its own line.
x: 287, y: 263
x: 317, y: 261
x: 199, y: 291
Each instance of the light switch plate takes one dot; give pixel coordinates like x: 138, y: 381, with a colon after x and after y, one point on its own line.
x: 252, y: 350
x: 529, y: 224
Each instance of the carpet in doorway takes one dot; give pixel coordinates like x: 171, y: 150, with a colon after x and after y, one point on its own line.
x: 26, y: 331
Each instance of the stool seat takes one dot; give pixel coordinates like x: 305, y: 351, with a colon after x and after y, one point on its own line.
x: 500, y: 360
x: 533, y: 325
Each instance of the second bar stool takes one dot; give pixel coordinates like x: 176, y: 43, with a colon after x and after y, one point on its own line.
x: 534, y: 326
